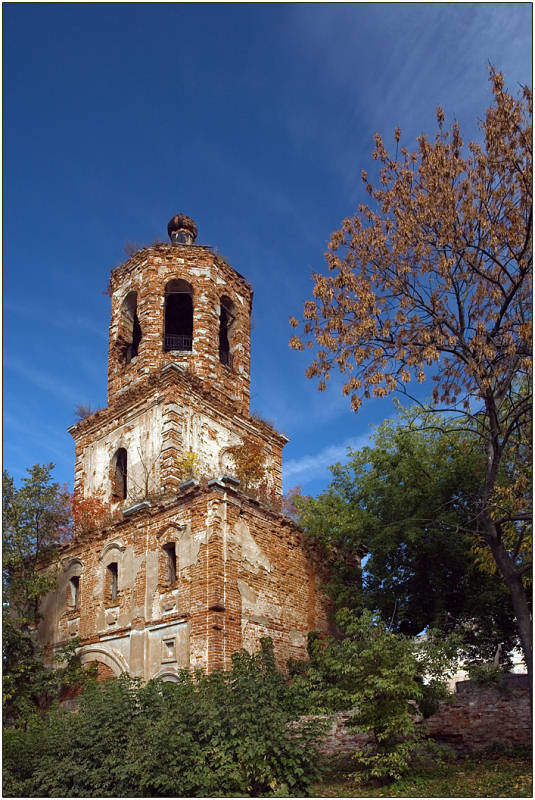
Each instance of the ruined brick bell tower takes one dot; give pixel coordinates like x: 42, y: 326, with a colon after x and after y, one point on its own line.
x: 186, y: 568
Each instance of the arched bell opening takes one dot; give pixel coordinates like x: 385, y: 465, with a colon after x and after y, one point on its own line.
x: 226, y: 321
x: 129, y: 335
x: 178, y: 316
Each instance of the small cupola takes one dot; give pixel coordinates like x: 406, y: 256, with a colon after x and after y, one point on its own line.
x: 182, y: 229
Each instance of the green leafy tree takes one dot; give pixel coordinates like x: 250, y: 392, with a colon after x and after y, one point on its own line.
x: 433, y: 278
x: 409, y: 502
x: 36, y: 520
x: 378, y: 675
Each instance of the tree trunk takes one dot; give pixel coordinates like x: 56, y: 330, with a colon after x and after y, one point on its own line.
x: 513, y: 581
x: 511, y: 576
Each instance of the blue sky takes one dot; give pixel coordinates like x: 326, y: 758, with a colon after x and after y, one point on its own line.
x: 256, y: 120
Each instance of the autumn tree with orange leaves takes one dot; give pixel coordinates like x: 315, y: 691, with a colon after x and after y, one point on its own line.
x: 88, y: 513
x: 433, y: 278
x: 249, y: 462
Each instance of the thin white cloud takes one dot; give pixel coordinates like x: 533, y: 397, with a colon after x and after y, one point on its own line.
x: 454, y: 42
x: 65, y: 320
x: 304, y: 406
x: 43, y: 381
x: 312, y: 466
x: 21, y: 458
x: 44, y: 434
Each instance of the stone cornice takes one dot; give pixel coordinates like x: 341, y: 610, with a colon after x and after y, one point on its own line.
x: 170, y: 376
x: 171, y: 251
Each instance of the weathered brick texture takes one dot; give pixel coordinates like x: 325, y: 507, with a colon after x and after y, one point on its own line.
x: 180, y: 575
x: 483, y: 717
x: 470, y: 723
x: 147, y: 273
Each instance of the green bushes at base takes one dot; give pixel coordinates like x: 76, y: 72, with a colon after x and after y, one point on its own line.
x: 220, y: 734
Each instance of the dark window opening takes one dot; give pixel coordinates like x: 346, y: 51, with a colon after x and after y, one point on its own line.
x: 113, y: 578
x: 129, y: 335
x: 119, y: 488
x: 170, y: 552
x: 75, y: 591
x: 178, y: 318
x: 133, y: 349
x: 226, y: 318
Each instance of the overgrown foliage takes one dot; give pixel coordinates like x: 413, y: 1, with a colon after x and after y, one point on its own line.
x: 36, y: 520
x: 434, y: 278
x: 481, y: 775
x: 249, y: 463
x: 83, y: 410
x: 409, y: 502
x: 488, y: 676
x: 143, y: 482
x: 379, y: 676
x: 89, y: 512
x: 188, y: 465
x: 223, y: 734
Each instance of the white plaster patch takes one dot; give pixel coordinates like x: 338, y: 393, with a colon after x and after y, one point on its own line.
x: 159, y: 651
x: 248, y: 595
x: 213, y: 514
x: 200, y: 272
x: 141, y: 436
x: 188, y: 550
x: 112, y: 615
x: 297, y: 639
x: 251, y: 552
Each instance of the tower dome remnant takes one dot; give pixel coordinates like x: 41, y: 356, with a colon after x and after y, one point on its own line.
x: 182, y: 229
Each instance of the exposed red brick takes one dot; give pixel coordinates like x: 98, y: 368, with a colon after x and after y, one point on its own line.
x: 242, y: 571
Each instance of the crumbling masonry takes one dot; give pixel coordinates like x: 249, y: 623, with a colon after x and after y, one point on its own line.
x: 183, y: 572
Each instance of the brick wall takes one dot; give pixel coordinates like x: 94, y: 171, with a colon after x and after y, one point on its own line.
x: 242, y: 568
x: 242, y: 573
x: 340, y: 739
x: 163, y: 415
x: 147, y: 273
x: 481, y: 717
x: 474, y: 721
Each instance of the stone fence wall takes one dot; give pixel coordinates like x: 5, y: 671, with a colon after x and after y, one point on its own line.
x: 474, y: 720
x: 479, y: 718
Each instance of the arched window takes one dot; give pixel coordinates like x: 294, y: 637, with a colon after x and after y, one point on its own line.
x: 112, y: 580
x: 129, y: 334
x: 170, y: 555
x: 119, y: 475
x: 178, y: 317
x: 74, y: 584
x: 226, y: 318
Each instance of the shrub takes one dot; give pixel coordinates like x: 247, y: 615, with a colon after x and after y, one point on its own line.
x: 89, y: 512
x: 187, y: 465
x: 83, y: 410
x: 228, y: 733
x: 487, y: 676
x: 249, y: 463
